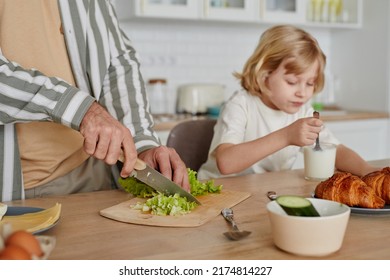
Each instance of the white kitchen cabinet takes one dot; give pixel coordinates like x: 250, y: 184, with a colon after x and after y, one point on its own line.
x: 331, y: 13
x: 303, y: 12
x: 232, y: 10
x: 184, y: 9
x: 369, y: 138
x: 335, y: 13
x: 293, y: 11
x: 169, y: 8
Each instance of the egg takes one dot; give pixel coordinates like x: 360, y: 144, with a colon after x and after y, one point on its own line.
x: 25, y: 240
x: 14, y: 252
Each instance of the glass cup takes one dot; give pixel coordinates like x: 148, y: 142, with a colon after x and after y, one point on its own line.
x: 319, y: 165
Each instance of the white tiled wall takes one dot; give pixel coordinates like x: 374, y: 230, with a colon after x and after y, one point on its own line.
x: 198, y: 52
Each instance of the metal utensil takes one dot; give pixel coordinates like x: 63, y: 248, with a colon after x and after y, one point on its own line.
x: 235, y: 234
x: 157, y: 181
x: 317, y: 147
x: 272, y: 195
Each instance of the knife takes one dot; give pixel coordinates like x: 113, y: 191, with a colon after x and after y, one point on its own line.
x: 157, y: 181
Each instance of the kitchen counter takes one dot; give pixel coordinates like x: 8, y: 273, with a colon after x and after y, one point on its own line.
x: 82, y: 233
x: 166, y: 122
x: 341, y: 115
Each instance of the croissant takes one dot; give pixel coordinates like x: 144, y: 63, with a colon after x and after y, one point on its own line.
x: 349, y: 189
x: 380, y: 182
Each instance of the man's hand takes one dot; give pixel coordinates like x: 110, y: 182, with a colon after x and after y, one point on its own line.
x: 105, y: 138
x: 168, y: 162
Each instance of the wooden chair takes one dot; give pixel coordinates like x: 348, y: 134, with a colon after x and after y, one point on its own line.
x: 192, y: 140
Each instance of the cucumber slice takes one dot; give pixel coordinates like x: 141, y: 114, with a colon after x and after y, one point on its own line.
x: 297, y: 206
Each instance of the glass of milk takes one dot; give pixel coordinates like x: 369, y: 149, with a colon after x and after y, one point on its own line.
x: 319, y: 165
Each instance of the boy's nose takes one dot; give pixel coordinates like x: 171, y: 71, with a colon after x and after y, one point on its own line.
x: 302, y: 91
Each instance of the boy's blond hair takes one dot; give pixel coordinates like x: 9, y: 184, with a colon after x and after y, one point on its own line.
x: 277, y: 44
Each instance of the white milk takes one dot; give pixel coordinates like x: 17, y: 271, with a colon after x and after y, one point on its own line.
x: 319, y: 165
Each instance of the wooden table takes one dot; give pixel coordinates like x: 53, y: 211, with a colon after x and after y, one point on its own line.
x: 82, y: 233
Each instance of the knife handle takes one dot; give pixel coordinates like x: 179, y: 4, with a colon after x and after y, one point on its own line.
x: 139, y: 164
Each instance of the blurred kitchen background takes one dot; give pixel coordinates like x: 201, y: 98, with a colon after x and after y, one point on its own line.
x: 184, y: 46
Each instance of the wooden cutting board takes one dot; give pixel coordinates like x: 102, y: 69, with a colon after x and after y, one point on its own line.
x: 211, y: 206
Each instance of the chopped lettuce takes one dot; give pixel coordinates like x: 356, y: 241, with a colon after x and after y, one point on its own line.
x: 199, y: 188
x: 160, y: 204
x: 136, y: 187
x: 163, y: 205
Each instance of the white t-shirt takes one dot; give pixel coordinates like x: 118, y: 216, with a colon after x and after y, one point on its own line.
x: 243, y: 118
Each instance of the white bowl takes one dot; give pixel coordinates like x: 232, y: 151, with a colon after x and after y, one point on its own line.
x: 310, y: 236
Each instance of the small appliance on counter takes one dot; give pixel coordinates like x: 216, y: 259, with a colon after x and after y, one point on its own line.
x: 196, y: 99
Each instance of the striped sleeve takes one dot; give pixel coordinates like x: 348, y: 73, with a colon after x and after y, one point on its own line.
x: 123, y: 88
x: 28, y: 95
x: 11, y: 181
x: 106, y: 63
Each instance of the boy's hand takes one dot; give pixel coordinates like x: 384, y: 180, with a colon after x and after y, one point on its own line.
x: 304, y: 132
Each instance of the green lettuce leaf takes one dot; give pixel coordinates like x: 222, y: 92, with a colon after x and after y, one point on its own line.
x: 136, y: 187
x: 163, y: 205
x: 199, y: 188
x: 160, y: 204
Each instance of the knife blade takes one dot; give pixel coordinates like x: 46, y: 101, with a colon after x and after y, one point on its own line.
x: 157, y: 181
